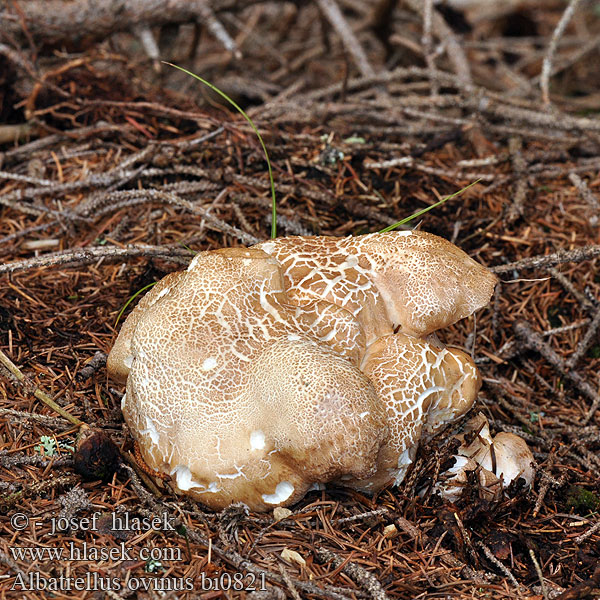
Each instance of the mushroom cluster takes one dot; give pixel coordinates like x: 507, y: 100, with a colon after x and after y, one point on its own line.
x: 260, y: 373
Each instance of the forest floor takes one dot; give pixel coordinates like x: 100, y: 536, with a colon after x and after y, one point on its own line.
x: 116, y: 168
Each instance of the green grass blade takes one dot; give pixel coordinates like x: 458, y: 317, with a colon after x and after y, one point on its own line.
x: 241, y: 111
x: 132, y: 299
x: 423, y: 211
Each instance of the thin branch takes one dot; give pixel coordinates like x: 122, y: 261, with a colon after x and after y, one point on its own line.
x: 535, y: 341
x: 549, y: 260
x: 587, y: 195
x: 568, y: 285
x: 556, y: 35
x: 426, y: 40
x: 217, y: 29
x: 334, y: 15
x: 53, y: 22
x: 540, y: 575
x: 89, y: 256
x: 490, y: 556
x: 519, y: 165
x: 586, y: 342
x: 366, y: 580
x: 39, y: 394
x: 444, y: 32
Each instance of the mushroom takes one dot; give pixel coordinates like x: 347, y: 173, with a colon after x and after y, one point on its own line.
x: 499, y: 461
x: 409, y: 279
x: 422, y: 388
x: 260, y: 373
x: 234, y: 396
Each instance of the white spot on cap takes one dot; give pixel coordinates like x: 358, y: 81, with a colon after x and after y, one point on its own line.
x: 283, y: 491
x: 293, y: 337
x: 183, y: 477
x: 404, y: 461
x: 194, y: 262
x: 257, y: 440
x: 350, y: 262
x: 246, y: 261
x: 151, y: 431
x: 209, y: 363
x: 123, y: 400
x: 162, y: 293
x: 128, y: 360
x: 213, y: 487
x: 268, y: 247
x: 404, y: 233
x: 329, y: 336
x: 363, y: 414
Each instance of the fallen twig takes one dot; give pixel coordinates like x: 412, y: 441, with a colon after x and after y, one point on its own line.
x: 549, y: 260
x: 334, y: 15
x: 361, y: 576
x: 534, y: 341
x: 587, y: 195
x: 39, y: 394
x: 91, y: 255
x: 556, y: 35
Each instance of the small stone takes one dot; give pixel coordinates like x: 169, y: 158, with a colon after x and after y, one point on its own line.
x: 280, y: 513
x: 390, y: 531
x: 293, y: 557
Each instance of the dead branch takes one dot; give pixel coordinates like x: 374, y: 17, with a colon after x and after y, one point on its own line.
x: 517, y: 208
x: 427, y: 42
x: 556, y: 35
x: 586, y: 342
x: 549, y: 260
x: 444, y: 33
x: 360, y: 575
x: 89, y: 256
x: 539, y: 573
x: 587, y: 195
x: 37, y: 392
x: 334, y: 15
x: 79, y: 24
x: 534, y: 341
x: 586, y: 304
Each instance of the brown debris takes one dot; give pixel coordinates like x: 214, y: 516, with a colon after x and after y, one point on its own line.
x: 115, y: 170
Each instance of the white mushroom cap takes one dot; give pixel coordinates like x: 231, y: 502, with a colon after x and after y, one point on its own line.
x: 503, y: 458
x: 509, y: 458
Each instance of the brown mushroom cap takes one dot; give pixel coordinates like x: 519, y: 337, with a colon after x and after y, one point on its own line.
x: 422, y: 388
x: 411, y: 279
x: 229, y: 395
x: 120, y: 357
x: 259, y: 373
